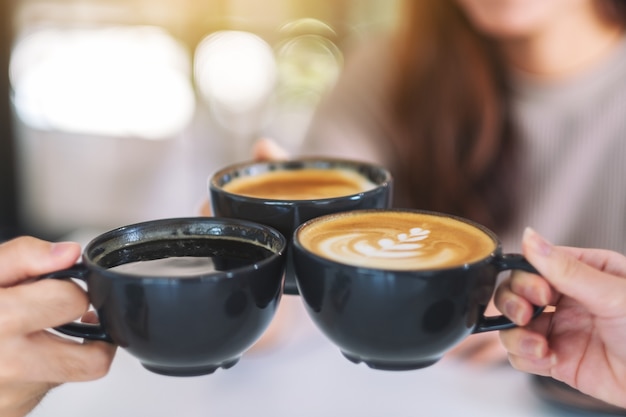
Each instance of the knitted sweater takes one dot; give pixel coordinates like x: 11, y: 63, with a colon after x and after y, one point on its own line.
x: 572, y: 151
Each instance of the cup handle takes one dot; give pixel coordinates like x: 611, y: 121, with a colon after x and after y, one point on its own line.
x: 82, y: 330
x: 501, y: 322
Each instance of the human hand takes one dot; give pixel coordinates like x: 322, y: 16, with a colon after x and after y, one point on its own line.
x: 268, y: 150
x: 32, y: 359
x: 581, y: 342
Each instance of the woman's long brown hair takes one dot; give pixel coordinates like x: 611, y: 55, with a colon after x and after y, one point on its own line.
x: 456, y: 152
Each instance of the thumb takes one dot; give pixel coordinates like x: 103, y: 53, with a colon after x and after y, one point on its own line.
x: 27, y: 257
x: 594, y: 289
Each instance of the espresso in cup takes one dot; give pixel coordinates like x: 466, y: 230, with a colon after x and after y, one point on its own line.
x: 184, y: 296
x: 284, y: 194
x: 398, y: 288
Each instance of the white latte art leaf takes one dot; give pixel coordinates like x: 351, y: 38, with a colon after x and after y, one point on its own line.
x: 417, y: 233
x: 386, y: 243
x: 394, y: 251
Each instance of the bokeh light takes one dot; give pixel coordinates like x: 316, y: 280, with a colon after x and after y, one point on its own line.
x: 309, y: 61
x: 235, y: 70
x: 114, y: 81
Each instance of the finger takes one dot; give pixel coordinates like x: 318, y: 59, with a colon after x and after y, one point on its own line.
x: 529, y: 341
x: 205, y: 209
x: 58, y: 359
x: 517, y: 308
x: 537, y: 366
x: 528, y: 347
x: 533, y: 288
x: 518, y: 296
x: 604, y: 260
x: 90, y: 317
x: 38, y: 305
x: 268, y: 150
x: 28, y: 257
x: 601, y: 293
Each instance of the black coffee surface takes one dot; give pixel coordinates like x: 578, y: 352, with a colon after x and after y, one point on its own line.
x: 184, y: 258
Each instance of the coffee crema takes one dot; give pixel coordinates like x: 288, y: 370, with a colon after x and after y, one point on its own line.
x: 396, y: 240
x: 300, y: 184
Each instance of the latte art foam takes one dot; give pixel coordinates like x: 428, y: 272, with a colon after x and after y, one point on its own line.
x: 396, y: 240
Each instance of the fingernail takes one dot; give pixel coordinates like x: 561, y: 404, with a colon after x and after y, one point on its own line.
x: 541, y: 246
x: 553, y: 359
x: 531, y: 346
x: 512, y: 311
x: 61, y: 248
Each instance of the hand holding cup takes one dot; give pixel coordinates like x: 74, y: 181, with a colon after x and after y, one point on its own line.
x: 580, y: 341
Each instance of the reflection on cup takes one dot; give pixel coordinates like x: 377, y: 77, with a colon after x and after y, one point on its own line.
x: 284, y: 194
x: 397, y: 288
x: 184, y: 296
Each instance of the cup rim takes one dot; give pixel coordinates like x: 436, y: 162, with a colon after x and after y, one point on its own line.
x: 497, y: 244
x: 297, y: 163
x: 171, y: 225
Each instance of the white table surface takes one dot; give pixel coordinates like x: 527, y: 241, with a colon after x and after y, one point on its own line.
x: 303, y: 375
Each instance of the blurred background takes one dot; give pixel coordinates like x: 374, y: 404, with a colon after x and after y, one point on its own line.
x: 117, y: 111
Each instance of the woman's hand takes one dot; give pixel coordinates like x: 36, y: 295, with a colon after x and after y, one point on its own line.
x: 268, y: 150
x: 582, y: 342
x: 32, y: 359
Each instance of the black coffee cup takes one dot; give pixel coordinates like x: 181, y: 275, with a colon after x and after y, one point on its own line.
x: 184, y: 296
x: 287, y: 201
x: 395, y: 288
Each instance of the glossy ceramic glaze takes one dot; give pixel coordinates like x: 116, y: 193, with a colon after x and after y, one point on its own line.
x: 175, y: 325
x: 400, y: 320
x: 287, y: 215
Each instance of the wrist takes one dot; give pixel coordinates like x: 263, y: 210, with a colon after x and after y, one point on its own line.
x: 17, y: 400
